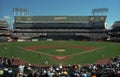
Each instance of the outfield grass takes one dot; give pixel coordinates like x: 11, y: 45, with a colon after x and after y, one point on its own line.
x: 108, y: 49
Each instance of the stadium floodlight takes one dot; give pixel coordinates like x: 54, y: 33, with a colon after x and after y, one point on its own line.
x: 20, y: 11
x: 99, y: 11
x: 15, y: 11
x: 26, y: 12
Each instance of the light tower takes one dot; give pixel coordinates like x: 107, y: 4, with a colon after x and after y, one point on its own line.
x: 20, y: 11
x: 100, y: 11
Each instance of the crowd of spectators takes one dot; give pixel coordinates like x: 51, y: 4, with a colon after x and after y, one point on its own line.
x: 111, y: 69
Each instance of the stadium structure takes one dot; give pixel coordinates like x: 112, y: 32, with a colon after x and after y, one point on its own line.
x: 4, y: 31
x: 114, y: 33
x: 60, y: 27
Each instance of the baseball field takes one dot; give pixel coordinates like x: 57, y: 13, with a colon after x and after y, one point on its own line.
x: 60, y: 52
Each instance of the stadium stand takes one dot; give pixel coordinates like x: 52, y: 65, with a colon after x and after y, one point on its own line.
x: 114, y: 34
x: 4, y: 31
x: 60, y: 27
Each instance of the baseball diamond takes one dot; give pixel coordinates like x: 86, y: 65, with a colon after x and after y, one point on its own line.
x: 82, y: 52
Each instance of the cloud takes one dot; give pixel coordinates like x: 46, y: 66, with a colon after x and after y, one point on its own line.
x: 2, y: 19
x: 7, y: 17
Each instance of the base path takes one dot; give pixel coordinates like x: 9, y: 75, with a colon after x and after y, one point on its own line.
x: 87, y: 49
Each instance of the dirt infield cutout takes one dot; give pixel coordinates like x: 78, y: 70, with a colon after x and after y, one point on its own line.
x: 60, y: 57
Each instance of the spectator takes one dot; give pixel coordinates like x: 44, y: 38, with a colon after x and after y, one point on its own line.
x: 1, y: 72
x: 21, y: 68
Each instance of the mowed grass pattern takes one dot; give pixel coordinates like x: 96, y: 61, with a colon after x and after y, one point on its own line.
x: 66, y: 51
x: 15, y: 49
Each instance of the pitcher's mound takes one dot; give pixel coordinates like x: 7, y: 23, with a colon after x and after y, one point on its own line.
x: 60, y: 50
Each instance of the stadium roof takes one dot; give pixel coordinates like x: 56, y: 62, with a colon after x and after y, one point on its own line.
x: 59, y: 19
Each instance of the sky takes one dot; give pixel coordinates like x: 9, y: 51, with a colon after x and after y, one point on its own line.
x: 60, y: 8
